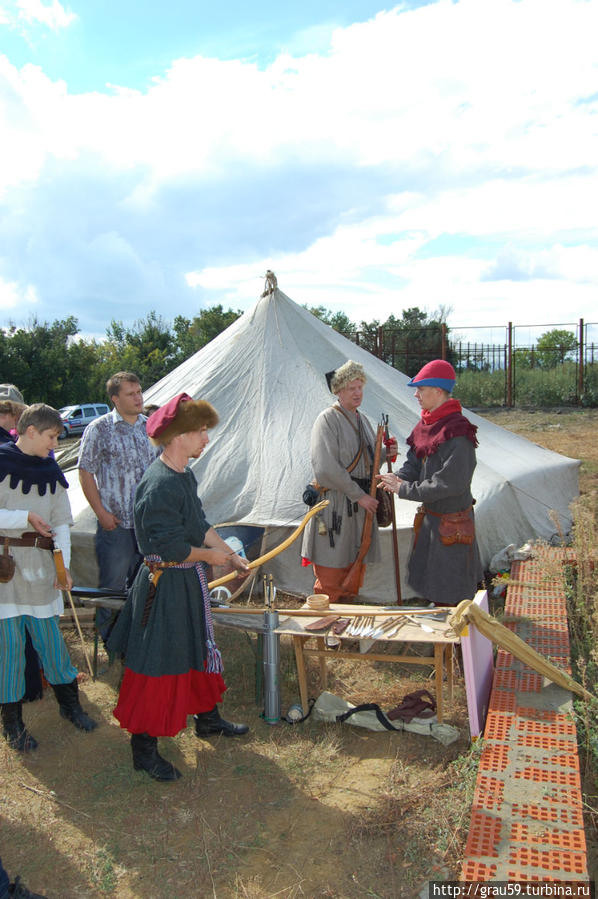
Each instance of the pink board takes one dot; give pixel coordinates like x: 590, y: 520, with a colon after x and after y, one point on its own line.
x: 478, y: 670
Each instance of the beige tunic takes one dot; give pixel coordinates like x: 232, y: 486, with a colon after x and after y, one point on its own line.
x: 334, y: 445
x: 31, y: 590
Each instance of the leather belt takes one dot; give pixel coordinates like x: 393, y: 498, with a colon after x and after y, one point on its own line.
x: 29, y: 538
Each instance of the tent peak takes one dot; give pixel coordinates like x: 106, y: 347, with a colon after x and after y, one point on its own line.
x: 271, y: 283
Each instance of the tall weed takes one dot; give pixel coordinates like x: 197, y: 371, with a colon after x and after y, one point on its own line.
x: 582, y: 599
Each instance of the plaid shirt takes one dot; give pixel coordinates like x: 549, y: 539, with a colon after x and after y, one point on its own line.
x: 117, y: 454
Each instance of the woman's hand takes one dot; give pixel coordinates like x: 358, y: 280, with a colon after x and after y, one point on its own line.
x: 218, y: 557
x: 240, y: 564
x: 389, y: 482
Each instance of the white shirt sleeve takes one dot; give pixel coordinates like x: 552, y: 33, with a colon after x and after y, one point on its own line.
x: 62, y: 540
x: 14, y: 519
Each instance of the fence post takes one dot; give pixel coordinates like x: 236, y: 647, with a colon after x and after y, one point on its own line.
x: 380, y: 341
x: 510, y: 365
x: 443, y: 340
x: 580, y: 371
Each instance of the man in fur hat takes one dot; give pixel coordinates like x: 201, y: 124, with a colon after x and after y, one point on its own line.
x: 172, y: 665
x: 444, y: 565
x: 342, y: 453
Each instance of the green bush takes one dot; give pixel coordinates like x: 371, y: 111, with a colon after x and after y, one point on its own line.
x: 531, y: 387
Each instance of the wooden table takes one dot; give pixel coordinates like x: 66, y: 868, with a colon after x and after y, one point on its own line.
x: 442, y: 640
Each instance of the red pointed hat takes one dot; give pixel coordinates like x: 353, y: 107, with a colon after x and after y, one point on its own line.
x: 180, y: 414
x: 437, y: 373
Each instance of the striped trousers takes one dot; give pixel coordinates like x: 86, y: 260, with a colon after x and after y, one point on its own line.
x: 49, y: 645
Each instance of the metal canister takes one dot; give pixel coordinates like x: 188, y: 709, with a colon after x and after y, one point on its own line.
x: 271, y: 668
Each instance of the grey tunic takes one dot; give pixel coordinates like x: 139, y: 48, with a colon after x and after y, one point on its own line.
x: 442, y: 481
x: 334, y: 445
x: 31, y: 591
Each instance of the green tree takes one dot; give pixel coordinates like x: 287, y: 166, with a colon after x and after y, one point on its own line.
x: 35, y: 358
x: 555, y: 347
x: 337, y: 320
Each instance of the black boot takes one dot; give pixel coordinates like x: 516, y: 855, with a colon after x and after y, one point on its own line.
x: 209, y: 723
x: 14, y: 729
x: 147, y: 758
x: 17, y: 890
x: 70, y: 707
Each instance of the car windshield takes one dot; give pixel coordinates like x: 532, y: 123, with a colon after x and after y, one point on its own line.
x: 65, y: 410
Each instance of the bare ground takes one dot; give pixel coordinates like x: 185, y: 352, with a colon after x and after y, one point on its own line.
x: 312, y: 810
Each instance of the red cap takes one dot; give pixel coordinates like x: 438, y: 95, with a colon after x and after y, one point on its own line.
x: 165, y: 415
x: 437, y: 373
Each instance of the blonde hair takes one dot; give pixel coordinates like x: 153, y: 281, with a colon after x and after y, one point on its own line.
x: 349, y: 371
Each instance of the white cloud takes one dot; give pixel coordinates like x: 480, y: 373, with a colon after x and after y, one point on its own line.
x: 16, y: 296
x: 338, y: 168
x: 19, y: 14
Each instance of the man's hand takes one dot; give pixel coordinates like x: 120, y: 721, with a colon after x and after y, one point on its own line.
x: 108, y: 521
x: 367, y: 502
x: 39, y: 525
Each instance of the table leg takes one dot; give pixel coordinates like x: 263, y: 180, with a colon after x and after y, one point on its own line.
x: 449, y: 672
x: 321, y: 643
x: 438, y: 664
x: 298, y: 643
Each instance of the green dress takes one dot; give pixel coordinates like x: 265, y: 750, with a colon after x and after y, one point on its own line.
x: 165, y: 659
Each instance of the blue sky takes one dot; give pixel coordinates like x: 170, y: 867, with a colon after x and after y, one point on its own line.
x: 161, y: 156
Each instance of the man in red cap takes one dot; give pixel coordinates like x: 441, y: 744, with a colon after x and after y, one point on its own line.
x: 444, y: 565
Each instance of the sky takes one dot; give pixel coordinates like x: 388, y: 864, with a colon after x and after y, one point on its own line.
x: 163, y: 156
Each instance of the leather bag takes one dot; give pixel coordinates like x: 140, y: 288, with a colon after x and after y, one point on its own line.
x: 7, y: 565
x: 384, y: 510
x: 456, y: 527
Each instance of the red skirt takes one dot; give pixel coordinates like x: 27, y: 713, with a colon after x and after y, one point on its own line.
x: 159, y: 706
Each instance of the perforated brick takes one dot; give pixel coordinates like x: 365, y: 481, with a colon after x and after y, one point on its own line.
x: 484, y: 834
x: 533, y: 747
x: 548, y: 860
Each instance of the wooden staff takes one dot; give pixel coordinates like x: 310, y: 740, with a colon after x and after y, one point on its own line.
x: 61, y: 577
x: 277, y: 549
x: 395, y: 542
x: 353, y: 579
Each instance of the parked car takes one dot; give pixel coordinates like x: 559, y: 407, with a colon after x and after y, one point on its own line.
x: 76, y: 418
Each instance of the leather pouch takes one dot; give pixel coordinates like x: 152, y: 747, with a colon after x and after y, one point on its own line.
x: 322, y: 624
x: 384, y: 510
x: 456, y: 527
x: 339, y: 626
x: 7, y: 565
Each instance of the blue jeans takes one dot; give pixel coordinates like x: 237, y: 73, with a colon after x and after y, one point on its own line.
x: 118, y: 558
x: 4, y: 882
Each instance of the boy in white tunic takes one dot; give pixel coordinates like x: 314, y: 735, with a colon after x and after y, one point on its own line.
x: 35, y: 517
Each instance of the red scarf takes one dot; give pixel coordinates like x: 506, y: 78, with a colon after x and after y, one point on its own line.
x: 438, y: 426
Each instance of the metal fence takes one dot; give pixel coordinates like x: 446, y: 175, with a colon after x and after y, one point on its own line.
x: 514, y: 356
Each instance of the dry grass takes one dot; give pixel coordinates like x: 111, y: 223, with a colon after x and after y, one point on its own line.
x: 313, y: 810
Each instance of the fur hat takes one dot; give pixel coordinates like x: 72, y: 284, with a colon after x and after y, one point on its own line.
x: 437, y: 373
x: 180, y: 415
x: 349, y: 371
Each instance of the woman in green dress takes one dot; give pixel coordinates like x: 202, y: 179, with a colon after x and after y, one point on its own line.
x: 172, y: 665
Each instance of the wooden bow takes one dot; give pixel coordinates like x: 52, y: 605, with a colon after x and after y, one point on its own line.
x: 277, y: 549
x: 353, y: 580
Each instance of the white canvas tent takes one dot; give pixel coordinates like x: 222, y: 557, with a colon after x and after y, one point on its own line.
x: 265, y: 376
